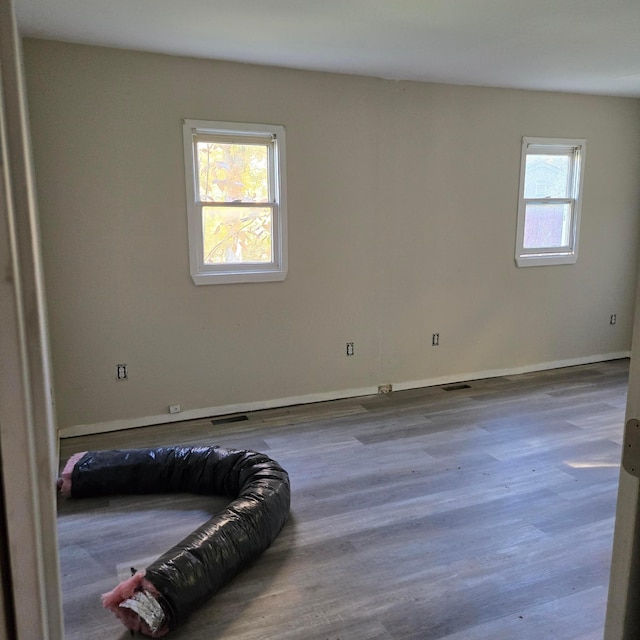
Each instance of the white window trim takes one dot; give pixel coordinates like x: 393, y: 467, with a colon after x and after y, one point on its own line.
x: 556, y: 255
x: 274, y: 271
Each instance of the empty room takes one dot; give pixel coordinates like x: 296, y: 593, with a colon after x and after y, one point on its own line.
x: 390, y: 246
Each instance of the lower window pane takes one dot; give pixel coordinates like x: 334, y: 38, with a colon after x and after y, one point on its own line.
x: 236, y: 235
x: 547, y: 226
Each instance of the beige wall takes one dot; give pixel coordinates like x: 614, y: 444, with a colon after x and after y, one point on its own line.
x: 402, y: 216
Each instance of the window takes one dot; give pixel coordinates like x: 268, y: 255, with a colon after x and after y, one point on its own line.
x: 236, y: 201
x: 551, y: 174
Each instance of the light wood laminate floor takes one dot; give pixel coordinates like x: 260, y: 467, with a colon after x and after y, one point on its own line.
x: 483, y: 513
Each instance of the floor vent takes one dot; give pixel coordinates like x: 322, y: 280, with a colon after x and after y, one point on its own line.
x: 456, y: 387
x: 229, y: 420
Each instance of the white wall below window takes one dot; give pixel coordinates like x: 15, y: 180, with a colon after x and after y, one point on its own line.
x: 402, y: 208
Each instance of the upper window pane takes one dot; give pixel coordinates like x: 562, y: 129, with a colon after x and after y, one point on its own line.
x: 233, y: 172
x: 547, y: 176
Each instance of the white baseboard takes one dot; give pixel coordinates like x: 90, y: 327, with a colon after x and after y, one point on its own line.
x: 212, y: 412
x: 222, y: 410
x: 512, y: 371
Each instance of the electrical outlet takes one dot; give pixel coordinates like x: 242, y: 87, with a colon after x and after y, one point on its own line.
x: 174, y: 408
x: 350, y: 350
x: 121, y: 371
x: 435, y: 340
x: 612, y: 319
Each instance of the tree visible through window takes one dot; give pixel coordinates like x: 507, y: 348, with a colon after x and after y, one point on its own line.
x: 235, y: 192
x: 234, y: 173
x: 550, y: 198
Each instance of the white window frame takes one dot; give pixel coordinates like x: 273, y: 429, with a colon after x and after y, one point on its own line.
x: 273, y: 271
x: 567, y: 254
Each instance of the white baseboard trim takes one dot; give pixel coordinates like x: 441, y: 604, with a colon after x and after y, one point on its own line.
x: 223, y: 410
x: 512, y: 371
x: 212, y: 412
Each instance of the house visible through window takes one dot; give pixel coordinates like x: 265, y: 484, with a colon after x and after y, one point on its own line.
x: 235, y: 201
x: 550, y: 199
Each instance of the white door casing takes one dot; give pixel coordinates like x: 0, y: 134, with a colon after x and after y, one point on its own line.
x: 27, y: 431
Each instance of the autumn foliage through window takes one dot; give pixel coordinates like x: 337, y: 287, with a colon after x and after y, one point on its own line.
x: 238, y: 174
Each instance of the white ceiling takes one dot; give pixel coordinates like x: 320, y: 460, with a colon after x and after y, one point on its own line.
x: 586, y: 46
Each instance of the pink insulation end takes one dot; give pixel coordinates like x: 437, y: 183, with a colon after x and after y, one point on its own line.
x: 64, y: 481
x: 135, y: 602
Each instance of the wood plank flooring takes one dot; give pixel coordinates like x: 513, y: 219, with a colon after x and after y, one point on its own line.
x: 475, y: 514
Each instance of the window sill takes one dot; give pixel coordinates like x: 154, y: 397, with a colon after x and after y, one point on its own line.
x: 231, y: 277
x: 545, y: 259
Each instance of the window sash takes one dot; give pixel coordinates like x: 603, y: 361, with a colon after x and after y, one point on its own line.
x: 245, y: 265
x: 561, y: 248
x: 270, y: 142
x: 570, y: 152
